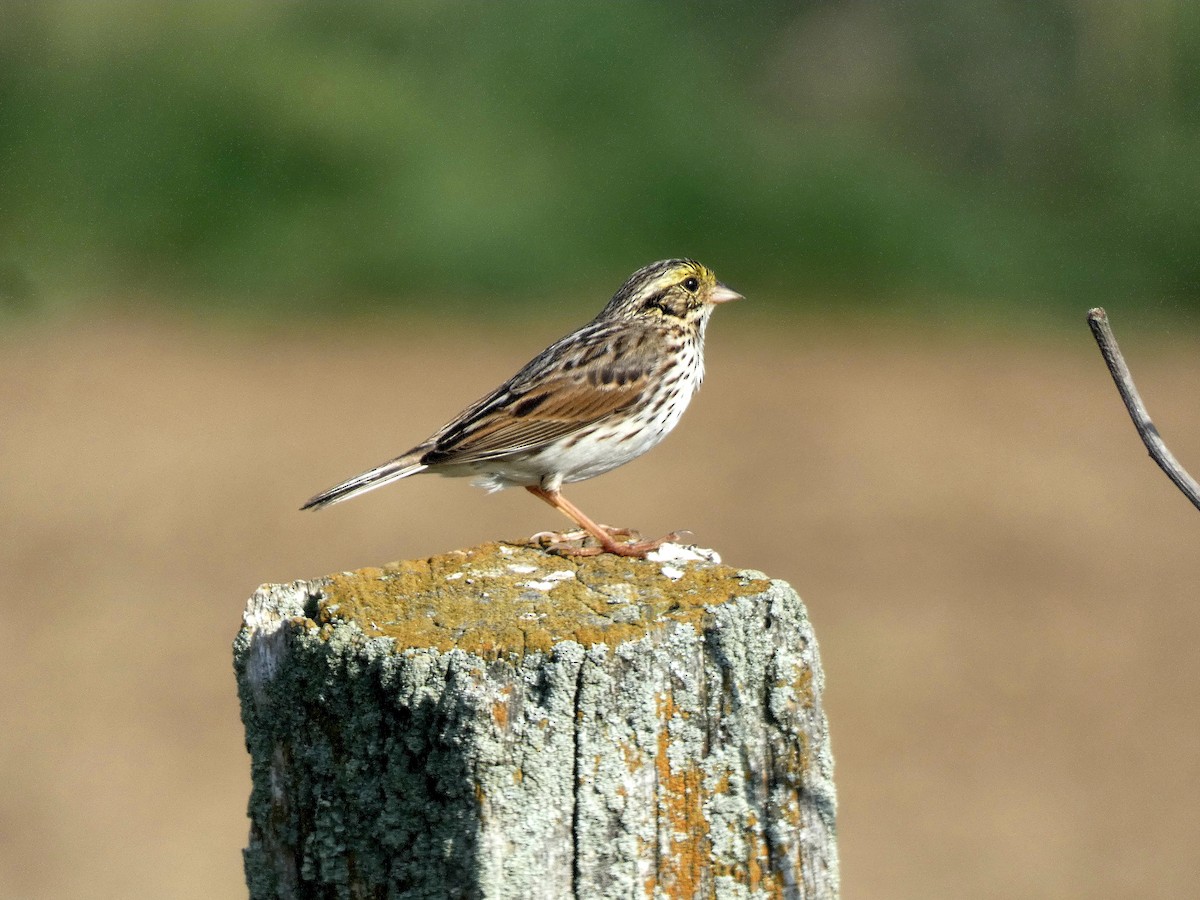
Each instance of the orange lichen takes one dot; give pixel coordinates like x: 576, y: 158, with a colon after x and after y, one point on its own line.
x: 634, y: 757
x: 683, y: 862
x: 500, y: 707
x: 650, y: 884
x: 803, y: 687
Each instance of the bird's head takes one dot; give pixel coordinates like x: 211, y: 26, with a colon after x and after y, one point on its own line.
x: 671, y: 292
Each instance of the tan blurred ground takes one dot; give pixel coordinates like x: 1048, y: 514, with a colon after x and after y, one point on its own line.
x: 1004, y: 587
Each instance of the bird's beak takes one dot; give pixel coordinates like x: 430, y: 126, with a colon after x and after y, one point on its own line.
x: 723, y: 294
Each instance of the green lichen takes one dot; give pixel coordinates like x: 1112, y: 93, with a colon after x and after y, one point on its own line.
x: 504, y: 600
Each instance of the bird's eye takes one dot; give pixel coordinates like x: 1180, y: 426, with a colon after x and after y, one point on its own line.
x: 691, y: 285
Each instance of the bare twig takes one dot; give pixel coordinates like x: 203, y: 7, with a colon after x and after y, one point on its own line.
x: 1098, y: 321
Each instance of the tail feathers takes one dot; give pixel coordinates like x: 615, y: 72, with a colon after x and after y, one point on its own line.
x: 398, y: 468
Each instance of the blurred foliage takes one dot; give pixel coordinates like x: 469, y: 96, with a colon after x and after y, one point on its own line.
x: 340, y: 155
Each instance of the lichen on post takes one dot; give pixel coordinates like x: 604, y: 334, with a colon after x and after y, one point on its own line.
x: 502, y: 722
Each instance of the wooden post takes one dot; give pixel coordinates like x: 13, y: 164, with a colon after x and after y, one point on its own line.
x: 502, y: 722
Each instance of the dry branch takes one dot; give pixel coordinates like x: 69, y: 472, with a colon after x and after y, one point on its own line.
x: 1098, y: 321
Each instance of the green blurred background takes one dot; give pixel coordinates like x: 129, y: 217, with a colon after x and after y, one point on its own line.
x: 330, y: 157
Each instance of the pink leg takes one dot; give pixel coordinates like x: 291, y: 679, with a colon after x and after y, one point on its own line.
x: 603, y: 535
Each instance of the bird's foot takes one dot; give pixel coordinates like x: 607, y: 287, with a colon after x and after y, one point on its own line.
x: 565, y: 543
x: 546, y: 538
x: 635, y: 548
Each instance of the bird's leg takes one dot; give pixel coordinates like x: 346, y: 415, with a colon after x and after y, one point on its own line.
x: 576, y: 515
x: 602, y: 535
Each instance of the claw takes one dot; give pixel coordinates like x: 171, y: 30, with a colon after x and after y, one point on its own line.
x: 557, y: 537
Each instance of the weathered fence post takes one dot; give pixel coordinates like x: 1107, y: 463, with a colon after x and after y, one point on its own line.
x: 501, y: 722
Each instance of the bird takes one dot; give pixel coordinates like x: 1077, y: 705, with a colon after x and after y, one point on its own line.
x: 590, y: 402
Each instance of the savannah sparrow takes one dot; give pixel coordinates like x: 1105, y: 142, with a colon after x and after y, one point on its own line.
x: 592, y: 401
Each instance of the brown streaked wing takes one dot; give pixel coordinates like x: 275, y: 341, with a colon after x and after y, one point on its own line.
x: 537, y: 407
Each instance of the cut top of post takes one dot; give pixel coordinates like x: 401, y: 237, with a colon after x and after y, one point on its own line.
x: 501, y: 600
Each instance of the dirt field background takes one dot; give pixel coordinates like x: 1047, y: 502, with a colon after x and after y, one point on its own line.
x: 1003, y: 585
